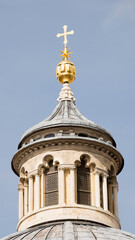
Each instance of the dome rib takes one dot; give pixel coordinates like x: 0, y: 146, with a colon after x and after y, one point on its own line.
x: 65, y: 113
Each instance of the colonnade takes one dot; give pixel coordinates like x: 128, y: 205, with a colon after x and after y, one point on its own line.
x: 32, y: 190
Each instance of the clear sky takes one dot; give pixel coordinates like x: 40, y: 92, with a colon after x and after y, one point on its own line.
x: 104, y: 55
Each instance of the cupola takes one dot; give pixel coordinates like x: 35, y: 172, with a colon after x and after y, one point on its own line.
x: 67, y: 165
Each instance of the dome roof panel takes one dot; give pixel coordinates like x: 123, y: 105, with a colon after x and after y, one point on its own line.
x: 65, y: 113
x: 71, y: 231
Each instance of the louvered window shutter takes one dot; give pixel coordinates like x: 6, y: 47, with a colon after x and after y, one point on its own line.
x: 83, y: 184
x: 51, y: 185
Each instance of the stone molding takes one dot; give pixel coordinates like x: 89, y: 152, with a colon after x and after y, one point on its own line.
x: 33, y: 173
x: 66, y: 166
x: 107, y: 150
x: 101, y: 172
x: 69, y: 211
x: 20, y: 186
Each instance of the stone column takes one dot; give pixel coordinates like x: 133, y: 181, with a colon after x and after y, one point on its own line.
x: 61, y: 186
x: 92, y: 190
x: 42, y: 188
x: 37, y: 191
x: 115, y: 194
x: 21, y: 200
x: 97, y: 189
x: 72, y: 185
x: 110, y: 198
x: 25, y: 197
x: 31, y: 194
x: 105, y: 194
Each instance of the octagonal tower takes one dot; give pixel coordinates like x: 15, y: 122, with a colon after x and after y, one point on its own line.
x: 67, y: 165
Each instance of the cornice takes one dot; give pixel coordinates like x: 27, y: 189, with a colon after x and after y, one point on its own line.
x: 58, y: 143
x: 67, y: 125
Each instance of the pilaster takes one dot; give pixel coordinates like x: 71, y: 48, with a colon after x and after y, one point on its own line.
x: 97, y: 188
x: 37, y: 191
x: 42, y: 188
x: 92, y: 186
x: 61, y: 185
x: 72, y: 185
x: 31, y: 193
x: 115, y: 193
x: 21, y: 200
x: 105, y: 194
x: 25, y: 196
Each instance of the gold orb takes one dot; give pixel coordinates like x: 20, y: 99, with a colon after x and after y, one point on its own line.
x: 65, y: 72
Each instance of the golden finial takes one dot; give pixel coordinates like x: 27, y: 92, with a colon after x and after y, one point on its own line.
x: 65, y: 71
x: 65, y: 53
x: 65, y: 35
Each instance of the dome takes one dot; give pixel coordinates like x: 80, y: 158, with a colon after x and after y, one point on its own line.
x: 66, y: 113
x: 71, y: 231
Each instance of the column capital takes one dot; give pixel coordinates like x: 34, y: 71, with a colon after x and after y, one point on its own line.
x: 25, y: 183
x: 20, y: 186
x: 42, y: 170
x: 105, y: 174
x: 30, y: 176
x: 33, y: 173
x: 115, y: 186
x: 101, y: 172
x: 66, y: 166
x: 114, y: 182
x: 97, y: 171
x: 92, y: 169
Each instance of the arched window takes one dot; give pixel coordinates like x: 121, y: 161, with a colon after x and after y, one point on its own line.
x: 83, y: 184
x: 51, y: 185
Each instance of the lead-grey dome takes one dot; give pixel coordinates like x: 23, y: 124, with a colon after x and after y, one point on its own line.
x: 71, y: 231
x: 65, y: 114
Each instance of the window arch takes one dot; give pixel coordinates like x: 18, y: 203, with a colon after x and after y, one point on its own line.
x: 51, y: 185
x: 83, y: 184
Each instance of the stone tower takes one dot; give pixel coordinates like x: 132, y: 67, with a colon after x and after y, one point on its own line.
x: 67, y: 167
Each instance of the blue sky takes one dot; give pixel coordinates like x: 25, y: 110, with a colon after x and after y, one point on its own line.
x: 103, y: 49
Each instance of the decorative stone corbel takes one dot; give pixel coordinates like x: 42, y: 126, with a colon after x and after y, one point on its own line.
x: 77, y: 163
x: 55, y: 162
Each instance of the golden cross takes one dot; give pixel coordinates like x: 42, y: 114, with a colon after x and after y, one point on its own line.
x: 65, y: 35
